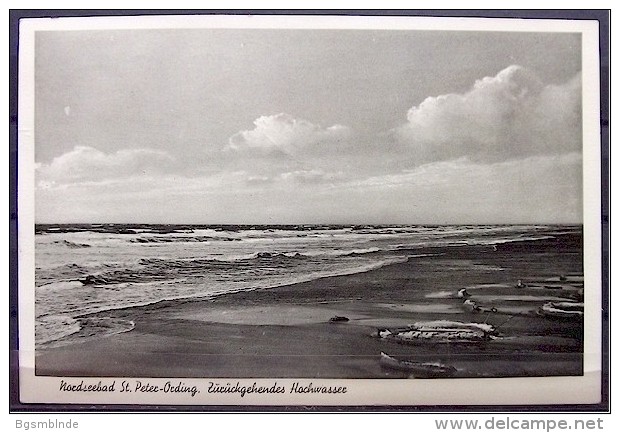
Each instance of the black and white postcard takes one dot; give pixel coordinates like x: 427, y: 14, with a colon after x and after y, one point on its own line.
x: 309, y: 210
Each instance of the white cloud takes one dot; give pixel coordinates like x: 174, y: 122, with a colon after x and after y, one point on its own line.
x: 288, y: 135
x: 311, y: 176
x: 282, y: 149
x: 512, y: 114
x: 258, y: 180
x: 537, y: 168
x: 542, y: 188
x: 296, y: 177
x: 83, y: 164
x: 535, y: 189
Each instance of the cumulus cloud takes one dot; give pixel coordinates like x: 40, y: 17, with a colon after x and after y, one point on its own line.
x: 282, y: 133
x: 282, y: 149
x: 512, y: 114
x: 84, y: 164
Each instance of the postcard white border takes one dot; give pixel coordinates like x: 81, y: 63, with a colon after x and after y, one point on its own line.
x: 510, y: 391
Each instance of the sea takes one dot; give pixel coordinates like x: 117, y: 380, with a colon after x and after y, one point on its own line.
x: 93, y: 268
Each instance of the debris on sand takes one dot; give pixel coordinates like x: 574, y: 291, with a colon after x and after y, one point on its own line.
x: 418, y: 369
x: 441, y: 331
x: 562, y: 310
x: 463, y: 294
x: 478, y: 308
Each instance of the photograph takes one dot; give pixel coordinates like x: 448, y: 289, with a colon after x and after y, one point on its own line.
x: 328, y: 210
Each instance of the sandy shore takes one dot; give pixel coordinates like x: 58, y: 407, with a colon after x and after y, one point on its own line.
x: 286, y: 331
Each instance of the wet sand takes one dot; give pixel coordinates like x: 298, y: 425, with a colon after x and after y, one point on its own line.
x: 286, y: 331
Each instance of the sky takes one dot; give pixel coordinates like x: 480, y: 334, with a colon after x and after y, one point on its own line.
x: 248, y: 126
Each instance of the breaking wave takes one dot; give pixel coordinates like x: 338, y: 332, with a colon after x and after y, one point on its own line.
x: 160, y: 269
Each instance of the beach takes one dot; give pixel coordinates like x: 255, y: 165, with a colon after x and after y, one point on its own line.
x: 286, y: 331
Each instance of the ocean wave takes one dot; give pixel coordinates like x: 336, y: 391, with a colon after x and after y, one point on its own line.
x: 262, y: 256
x: 62, y: 273
x: 358, y: 251
x: 122, y: 229
x: 72, y: 244
x: 177, y: 239
x: 515, y: 239
x: 162, y: 269
x: 316, y: 253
